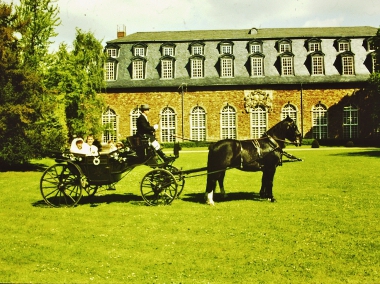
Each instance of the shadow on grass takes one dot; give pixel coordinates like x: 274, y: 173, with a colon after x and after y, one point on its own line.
x: 233, y: 196
x: 372, y: 154
x: 35, y: 167
x: 97, y: 200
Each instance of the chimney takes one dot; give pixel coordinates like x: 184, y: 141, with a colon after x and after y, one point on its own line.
x: 121, y: 31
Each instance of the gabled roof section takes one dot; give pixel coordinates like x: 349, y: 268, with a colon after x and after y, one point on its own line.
x: 245, y: 34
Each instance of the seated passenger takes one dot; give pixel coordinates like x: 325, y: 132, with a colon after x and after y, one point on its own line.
x: 91, y: 150
x: 111, y: 146
x: 77, y: 146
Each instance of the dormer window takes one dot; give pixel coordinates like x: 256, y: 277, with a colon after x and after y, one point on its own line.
x: 140, y: 49
x: 284, y: 45
x: 343, y: 44
x: 287, y: 66
x: 370, y: 44
x: 255, y: 46
x: 112, y: 51
x: 226, y: 47
x: 167, y: 49
x: 313, y: 45
x: 197, y: 48
x: 347, y: 63
x: 226, y: 66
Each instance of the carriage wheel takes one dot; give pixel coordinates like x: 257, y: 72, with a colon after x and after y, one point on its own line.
x: 61, y: 185
x: 179, y: 178
x: 91, y: 190
x: 159, y: 187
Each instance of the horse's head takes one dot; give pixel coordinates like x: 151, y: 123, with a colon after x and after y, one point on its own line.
x: 292, y: 133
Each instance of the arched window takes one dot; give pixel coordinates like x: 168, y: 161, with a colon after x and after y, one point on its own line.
x: 350, y: 122
x: 198, y: 124
x: 258, y: 121
x: 109, y: 122
x: 134, y: 115
x: 168, y: 125
x: 289, y: 110
x: 319, y: 123
x: 228, y: 122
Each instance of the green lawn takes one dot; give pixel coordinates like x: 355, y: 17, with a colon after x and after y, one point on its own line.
x: 322, y: 229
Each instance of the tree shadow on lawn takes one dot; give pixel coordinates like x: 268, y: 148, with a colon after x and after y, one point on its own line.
x: 232, y: 196
x: 369, y: 153
x: 35, y: 167
x: 97, y: 200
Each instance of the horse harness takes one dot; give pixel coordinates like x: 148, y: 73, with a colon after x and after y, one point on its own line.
x: 272, y: 143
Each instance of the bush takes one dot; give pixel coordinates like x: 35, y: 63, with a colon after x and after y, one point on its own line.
x: 350, y: 144
x: 315, y: 144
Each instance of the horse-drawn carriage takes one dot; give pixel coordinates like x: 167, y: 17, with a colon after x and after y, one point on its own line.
x: 64, y: 183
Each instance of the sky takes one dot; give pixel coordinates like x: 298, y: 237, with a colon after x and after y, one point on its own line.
x: 105, y: 17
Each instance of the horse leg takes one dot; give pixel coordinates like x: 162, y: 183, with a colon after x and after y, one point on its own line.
x: 267, y: 183
x: 210, y: 187
x: 221, y: 184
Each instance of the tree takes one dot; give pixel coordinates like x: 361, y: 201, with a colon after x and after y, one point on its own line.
x: 78, y: 75
x: 374, y: 87
x: 19, y: 88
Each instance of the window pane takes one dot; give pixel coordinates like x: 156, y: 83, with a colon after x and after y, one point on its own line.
x: 110, y: 126
x: 255, y: 48
x: 168, y: 125
x: 135, y: 114
x: 350, y: 122
x: 257, y: 66
x: 228, y: 122
x: 258, y: 122
x: 196, y: 68
x: 287, y: 65
x: 348, y: 65
x: 289, y: 110
x: 110, y: 71
x: 319, y: 121
x: 167, y: 69
x: 227, y: 67
x: 317, y: 65
x: 198, y: 124
x: 138, y: 69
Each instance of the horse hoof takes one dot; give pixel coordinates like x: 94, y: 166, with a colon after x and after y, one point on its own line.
x: 211, y: 203
x: 272, y: 199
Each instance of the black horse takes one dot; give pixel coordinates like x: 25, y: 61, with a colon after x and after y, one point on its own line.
x: 262, y: 154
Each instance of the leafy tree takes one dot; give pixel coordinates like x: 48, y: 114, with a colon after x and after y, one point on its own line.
x: 78, y: 75
x: 19, y: 89
x: 374, y: 86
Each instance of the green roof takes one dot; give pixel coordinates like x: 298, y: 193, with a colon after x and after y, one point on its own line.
x: 248, y: 34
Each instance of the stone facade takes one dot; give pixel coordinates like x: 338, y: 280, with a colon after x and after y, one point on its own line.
x: 213, y: 92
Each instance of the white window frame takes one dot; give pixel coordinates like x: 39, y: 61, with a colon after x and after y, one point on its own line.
x: 139, y: 51
x: 197, y: 50
x: 198, y: 124
x: 348, y: 65
x: 350, y: 122
x: 257, y: 66
x: 196, y: 67
x: 110, y: 73
x: 133, y: 116
x: 110, y: 122
x: 168, y: 125
x: 343, y: 46
x: 227, y: 67
x: 287, y: 66
x: 317, y: 65
x: 320, y: 121
x: 167, y: 69
x: 168, y: 50
x: 228, y: 123
x: 258, y: 121
x: 285, y: 47
x: 255, y: 48
x: 314, y: 46
x: 112, y: 52
x: 138, y: 69
x: 289, y: 110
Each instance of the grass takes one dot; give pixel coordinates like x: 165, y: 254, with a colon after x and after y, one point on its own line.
x: 323, y: 229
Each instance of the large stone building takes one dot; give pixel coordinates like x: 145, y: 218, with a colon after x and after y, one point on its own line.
x: 215, y: 84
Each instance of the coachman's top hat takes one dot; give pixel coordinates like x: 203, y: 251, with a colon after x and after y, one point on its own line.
x: 144, y: 107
